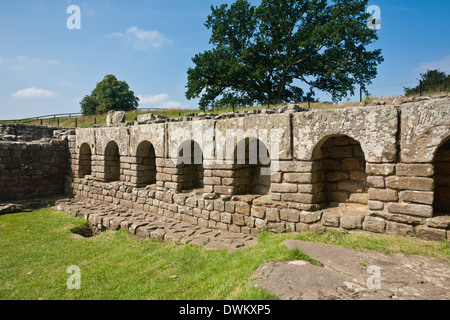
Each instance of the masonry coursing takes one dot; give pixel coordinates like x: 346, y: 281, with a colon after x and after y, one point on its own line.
x: 375, y: 168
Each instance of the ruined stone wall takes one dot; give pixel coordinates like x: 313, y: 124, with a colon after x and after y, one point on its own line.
x: 32, y: 170
x: 375, y: 168
x: 378, y: 168
x: 33, y: 161
x: 24, y: 132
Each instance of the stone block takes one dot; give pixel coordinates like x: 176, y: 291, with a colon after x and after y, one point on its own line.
x: 400, y: 228
x: 258, y: 212
x: 331, y: 218
x: 238, y: 219
x: 415, y: 170
x: 362, y: 198
x: 273, y: 214
x: 242, y: 208
x: 410, y: 183
x: 310, y: 217
x: 276, y: 227
x: 301, y: 227
x: 375, y: 205
x: 225, y: 217
x: 380, y: 169
x: 298, y: 197
x: 431, y: 233
x: 417, y: 210
x: 385, y: 195
x: 374, y: 224
x: 376, y: 181
x: 299, y: 177
x: 352, y: 221
x: 440, y: 222
x: 421, y: 197
x: 289, y: 215
x: 284, y: 187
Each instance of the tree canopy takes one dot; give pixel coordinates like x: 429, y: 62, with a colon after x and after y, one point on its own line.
x: 109, y: 94
x: 432, y: 81
x: 273, y: 51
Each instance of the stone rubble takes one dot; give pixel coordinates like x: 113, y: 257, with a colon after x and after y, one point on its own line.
x: 150, y: 226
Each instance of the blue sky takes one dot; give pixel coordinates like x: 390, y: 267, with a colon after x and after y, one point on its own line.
x: 45, y: 68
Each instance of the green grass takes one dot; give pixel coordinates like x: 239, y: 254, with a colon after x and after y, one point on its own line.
x: 36, y: 250
x: 88, y: 121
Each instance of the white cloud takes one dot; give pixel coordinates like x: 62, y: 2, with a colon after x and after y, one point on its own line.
x: 34, y: 93
x: 143, y: 39
x: 23, y: 58
x: 158, y: 101
x: 171, y: 105
x: 442, y: 65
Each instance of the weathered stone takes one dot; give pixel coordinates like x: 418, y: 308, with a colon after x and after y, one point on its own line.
x: 417, y: 197
x: 410, y: 183
x: 350, y: 221
x: 431, y: 233
x: 289, y: 215
x: 258, y: 212
x: 115, y: 117
x: 400, y: 228
x: 310, y: 217
x: 277, y: 227
x: 415, y: 170
x: 441, y: 222
x: 331, y: 218
x: 284, y: 187
x: 273, y: 214
x: 411, y: 209
x: 383, y: 194
x: 380, y: 169
x: 376, y: 181
x: 242, y: 207
x: 374, y: 224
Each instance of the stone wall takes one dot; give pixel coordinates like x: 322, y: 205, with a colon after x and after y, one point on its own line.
x: 378, y: 168
x: 33, y: 162
x: 375, y: 168
x: 32, y: 170
x: 24, y: 132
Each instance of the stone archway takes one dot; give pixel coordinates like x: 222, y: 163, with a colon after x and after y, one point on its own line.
x: 85, y: 161
x: 442, y: 180
x: 145, y: 164
x: 344, y: 175
x: 190, y: 155
x: 112, y: 162
x: 253, y: 167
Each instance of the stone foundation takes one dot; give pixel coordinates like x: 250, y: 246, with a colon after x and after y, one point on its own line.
x: 379, y: 169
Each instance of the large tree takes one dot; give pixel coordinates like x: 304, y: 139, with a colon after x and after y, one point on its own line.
x: 283, y: 51
x: 109, y: 94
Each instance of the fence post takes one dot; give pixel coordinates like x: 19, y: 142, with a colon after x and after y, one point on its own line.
x: 420, y: 87
x: 76, y: 122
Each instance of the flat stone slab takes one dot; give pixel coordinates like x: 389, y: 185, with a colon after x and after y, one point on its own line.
x: 353, y: 274
x: 150, y: 226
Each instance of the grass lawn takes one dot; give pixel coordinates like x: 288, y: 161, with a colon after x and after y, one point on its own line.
x: 36, y: 251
